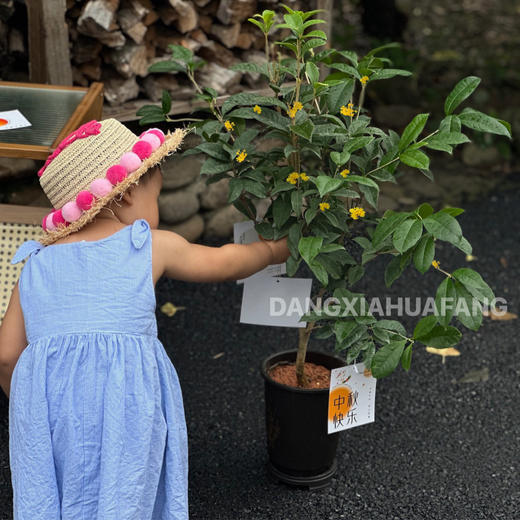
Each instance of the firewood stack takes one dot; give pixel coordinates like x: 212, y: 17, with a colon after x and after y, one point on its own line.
x: 115, y: 41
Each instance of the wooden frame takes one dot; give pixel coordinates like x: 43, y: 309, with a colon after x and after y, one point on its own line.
x: 14, y: 214
x: 90, y: 107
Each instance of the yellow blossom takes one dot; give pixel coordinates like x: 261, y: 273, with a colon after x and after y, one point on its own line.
x: 364, y: 79
x: 292, y: 178
x: 324, y: 206
x: 229, y: 125
x: 344, y: 172
x: 304, y: 176
x: 241, y: 155
x: 436, y: 264
x: 297, y: 106
x: 292, y: 113
x: 357, y: 212
x: 347, y: 111
x: 257, y: 109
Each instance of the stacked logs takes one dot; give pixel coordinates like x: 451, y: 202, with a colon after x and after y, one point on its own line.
x: 115, y: 41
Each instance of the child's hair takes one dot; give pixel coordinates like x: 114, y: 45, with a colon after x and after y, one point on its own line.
x: 145, y: 178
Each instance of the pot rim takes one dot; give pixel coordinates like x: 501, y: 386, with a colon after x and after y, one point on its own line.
x: 263, y: 371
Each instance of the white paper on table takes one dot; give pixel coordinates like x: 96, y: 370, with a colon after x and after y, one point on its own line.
x: 352, y: 396
x: 12, y: 119
x: 245, y: 233
x: 274, y: 301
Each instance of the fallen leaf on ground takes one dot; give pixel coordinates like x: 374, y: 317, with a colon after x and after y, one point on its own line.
x: 503, y: 261
x: 495, y: 314
x: 170, y: 310
x: 220, y: 354
x: 475, y: 376
x: 444, y: 352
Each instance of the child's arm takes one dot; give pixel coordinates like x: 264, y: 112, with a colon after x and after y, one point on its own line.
x: 183, y: 260
x: 12, y: 340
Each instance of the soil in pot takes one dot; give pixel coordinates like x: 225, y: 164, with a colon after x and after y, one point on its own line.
x: 285, y: 373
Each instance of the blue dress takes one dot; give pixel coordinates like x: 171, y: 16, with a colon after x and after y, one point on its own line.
x: 96, y: 417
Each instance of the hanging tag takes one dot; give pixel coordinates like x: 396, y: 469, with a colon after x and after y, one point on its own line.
x: 352, y: 396
x: 275, y: 301
x: 245, y: 233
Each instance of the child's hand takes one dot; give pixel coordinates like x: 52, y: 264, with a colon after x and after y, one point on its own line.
x: 279, y: 248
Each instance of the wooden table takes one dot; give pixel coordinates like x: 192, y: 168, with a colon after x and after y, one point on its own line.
x: 54, y: 111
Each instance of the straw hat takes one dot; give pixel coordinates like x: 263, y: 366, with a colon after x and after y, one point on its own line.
x: 92, y: 166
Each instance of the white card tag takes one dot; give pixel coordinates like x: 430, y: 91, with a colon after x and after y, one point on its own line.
x: 277, y: 302
x: 352, y: 396
x: 12, y: 119
x: 245, y: 233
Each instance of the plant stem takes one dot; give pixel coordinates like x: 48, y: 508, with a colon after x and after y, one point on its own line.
x: 303, y: 340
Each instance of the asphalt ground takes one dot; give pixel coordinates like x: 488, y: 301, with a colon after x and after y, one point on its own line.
x: 440, y: 448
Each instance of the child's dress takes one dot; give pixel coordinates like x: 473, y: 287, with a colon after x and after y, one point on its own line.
x: 96, y: 416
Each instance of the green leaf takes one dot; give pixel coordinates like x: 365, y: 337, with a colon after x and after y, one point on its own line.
x: 387, y: 225
x: 180, y: 52
x: 390, y: 325
x: 393, y: 271
x: 358, y: 142
x: 281, y: 211
x: 424, y: 326
x: 415, y: 159
x: 442, y: 337
x: 424, y: 254
x: 348, y: 69
x: 362, y: 180
x: 312, y: 72
x: 445, y: 300
x: 273, y: 119
x: 424, y: 210
x: 444, y: 227
x: 166, y: 102
x: 166, y: 66
x: 304, y: 129
x: 151, y: 118
x: 212, y: 166
x: 406, y: 358
x: 412, y: 130
x: 474, y: 283
x: 467, y: 309
x: 250, y: 99
x: 343, y: 329
x: 355, y: 273
x: 150, y: 110
x: 213, y: 150
x: 389, y: 73
x: 297, y: 202
x: 482, y: 122
x: 462, y: 90
x: 450, y: 124
x: 339, y: 95
x: 407, y: 234
x: 316, y: 34
x: 293, y: 238
x: 309, y: 247
x: 319, y: 271
x: 326, y: 184
x: 387, y: 358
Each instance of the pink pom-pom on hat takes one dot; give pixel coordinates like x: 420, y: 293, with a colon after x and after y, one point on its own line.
x: 71, y: 211
x: 155, y: 131
x: 115, y: 174
x: 153, y: 140
x: 49, y: 224
x: 130, y: 161
x: 101, y: 187
x: 44, y: 222
x: 84, y: 200
x: 142, y: 149
x: 57, y: 218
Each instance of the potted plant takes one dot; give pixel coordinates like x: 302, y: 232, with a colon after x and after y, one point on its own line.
x: 322, y: 181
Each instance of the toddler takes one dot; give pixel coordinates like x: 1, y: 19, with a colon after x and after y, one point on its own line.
x: 96, y: 417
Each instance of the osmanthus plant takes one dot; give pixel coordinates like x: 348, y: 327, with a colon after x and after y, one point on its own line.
x: 323, y: 182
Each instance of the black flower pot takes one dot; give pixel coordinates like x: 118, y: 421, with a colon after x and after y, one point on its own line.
x: 301, y: 452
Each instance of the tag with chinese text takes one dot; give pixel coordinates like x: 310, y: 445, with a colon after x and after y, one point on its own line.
x: 352, y: 396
